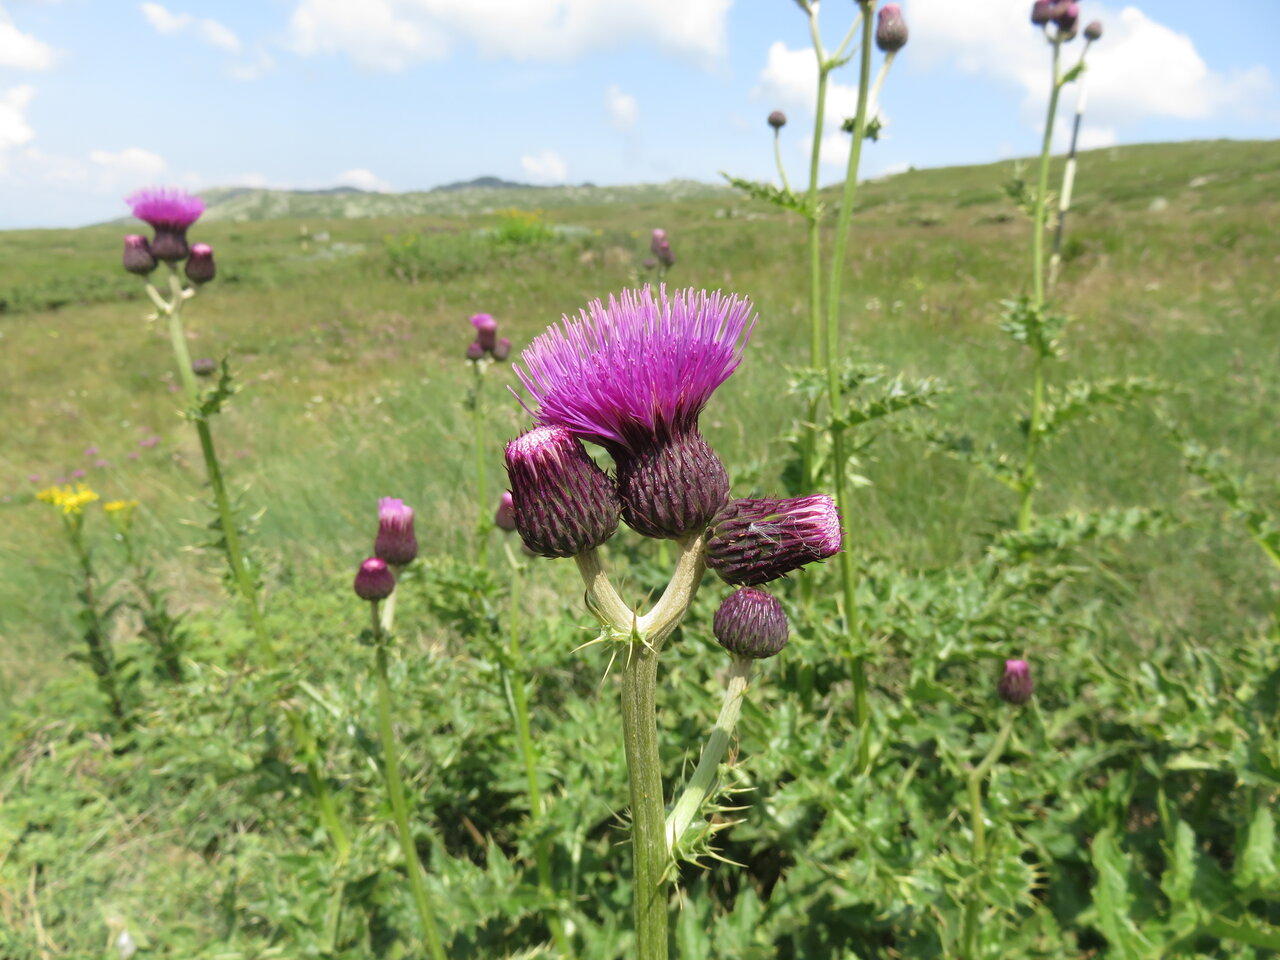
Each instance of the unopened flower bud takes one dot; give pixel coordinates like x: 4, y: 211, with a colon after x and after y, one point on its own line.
x: 138, y: 257
x: 204, y: 366
x: 564, y: 503
x: 751, y: 623
x: 777, y: 119
x: 395, y: 543
x: 755, y: 541
x: 672, y: 489
x: 504, y: 518
x: 1042, y: 11
x: 1093, y: 31
x: 1068, y: 16
x: 1015, y: 685
x: 375, y: 581
x: 502, y: 349
x: 475, y: 351
x: 665, y: 256
x: 891, y: 29
x: 486, y: 331
x: 200, y: 265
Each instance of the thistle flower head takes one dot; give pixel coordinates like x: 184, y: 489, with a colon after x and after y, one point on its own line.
x: 757, y: 540
x: 204, y: 366
x: 657, y: 238
x: 475, y: 351
x: 504, y: 518
x: 395, y: 543
x: 165, y: 207
x: 486, y: 331
x: 1042, y: 11
x: 891, y: 29
x: 564, y: 503
x: 200, y: 266
x: 502, y: 349
x: 751, y: 623
x: 777, y: 119
x: 138, y: 257
x: 665, y: 254
x: 374, y: 581
x: 1067, y: 17
x: 1093, y: 31
x: 1015, y: 685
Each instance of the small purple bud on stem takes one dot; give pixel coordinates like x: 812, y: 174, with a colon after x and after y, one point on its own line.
x: 375, y: 581
x: 891, y: 29
x: 1093, y: 31
x: 665, y: 255
x: 1015, y: 685
x: 564, y: 503
x: 204, y: 366
x: 504, y: 518
x: 395, y: 543
x: 486, y: 331
x: 200, y: 265
x: 138, y: 257
x: 1042, y: 11
x: 777, y: 119
x: 751, y: 623
x: 475, y: 351
x: 502, y: 349
x: 672, y: 489
x: 1067, y: 17
x: 755, y: 541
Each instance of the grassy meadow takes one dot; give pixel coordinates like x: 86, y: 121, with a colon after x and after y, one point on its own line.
x: 1151, y: 650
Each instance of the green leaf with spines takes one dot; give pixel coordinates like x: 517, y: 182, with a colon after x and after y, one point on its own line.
x: 1033, y: 327
x: 777, y: 196
x: 1079, y: 400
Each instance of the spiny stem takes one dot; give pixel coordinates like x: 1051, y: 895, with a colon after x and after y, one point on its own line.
x: 976, y: 780
x: 395, y: 787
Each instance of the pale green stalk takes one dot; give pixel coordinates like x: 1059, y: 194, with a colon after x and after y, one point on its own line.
x: 395, y: 788
x: 482, y: 479
x: 976, y: 780
x: 848, y: 583
x: 777, y: 156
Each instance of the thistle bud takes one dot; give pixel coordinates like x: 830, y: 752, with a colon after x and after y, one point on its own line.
x: 891, y: 29
x: 375, y: 581
x: 1015, y: 685
x: 672, y: 489
x: 751, y: 623
x: 1068, y: 16
x: 138, y: 257
x: 564, y: 504
x: 504, y: 518
x: 170, y: 244
x: 777, y: 119
x: 395, y: 543
x: 486, y: 331
x: 204, y: 366
x: 502, y: 349
x: 665, y: 255
x: 475, y: 351
x: 200, y: 265
x: 1042, y: 11
x: 755, y: 541
x: 1093, y: 31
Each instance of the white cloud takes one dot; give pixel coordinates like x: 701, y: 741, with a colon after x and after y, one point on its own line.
x: 1140, y: 69
x: 1095, y: 138
x: 132, y: 164
x: 99, y: 173
x: 392, y: 34
x: 211, y: 32
x: 363, y: 179
x: 624, y: 111
x: 545, y: 167
x: 22, y: 51
x: 14, y: 129
x: 789, y: 80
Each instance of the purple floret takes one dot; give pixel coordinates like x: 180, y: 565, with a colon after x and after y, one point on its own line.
x: 638, y: 371
x: 165, y: 207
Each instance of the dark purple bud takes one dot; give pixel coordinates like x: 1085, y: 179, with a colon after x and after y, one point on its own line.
x: 777, y: 119
x: 375, y: 581
x: 665, y: 256
x: 502, y: 349
x: 475, y: 351
x: 891, y: 29
x: 504, y: 518
x: 751, y: 623
x: 138, y: 257
x: 650, y: 263
x: 671, y: 489
x: 170, y: 244
x: 1042, y: 11
x: 1068, y: 16
x: 755, y: 541
x: 204, y: 366
x: 564, y: 503
x: 200, y: 266
x: 1093, y: 31
x: 1015, y: 686
x: 486, y: 331
x: 395, y: 543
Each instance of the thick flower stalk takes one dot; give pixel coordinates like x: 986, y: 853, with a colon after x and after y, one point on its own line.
x: 633, y: 375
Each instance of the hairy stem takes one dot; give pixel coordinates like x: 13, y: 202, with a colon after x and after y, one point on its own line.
x: 976, y: 779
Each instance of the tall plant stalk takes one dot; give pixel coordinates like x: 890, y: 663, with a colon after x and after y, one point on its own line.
x: 977, y: 778
x: 482, y: 478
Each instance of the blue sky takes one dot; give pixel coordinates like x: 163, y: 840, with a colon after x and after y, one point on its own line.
x: 98, y: 97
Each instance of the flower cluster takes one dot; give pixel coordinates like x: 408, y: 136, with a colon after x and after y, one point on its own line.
x: 487, y: 342
x: 660, y: 247
x: 170, y: 213
x: 394, y: 548
x: 71, y: 500
x: 1064, y: 16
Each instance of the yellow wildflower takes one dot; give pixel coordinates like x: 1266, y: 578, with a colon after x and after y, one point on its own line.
x: 113, y: 506
x: 71, y: 500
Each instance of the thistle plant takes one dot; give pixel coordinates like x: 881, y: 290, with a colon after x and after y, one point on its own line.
x: 171, y: 213
x: 95, y: 618
x: 486, y: 349
x: 633, y: 376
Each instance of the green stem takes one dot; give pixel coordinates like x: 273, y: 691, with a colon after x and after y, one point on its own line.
x: 976, y: 780
x: 395, y: 787
x: 848, y: 582
x: 482, y: 482
x: 702, y: 782
x: 777, y: 156
x: 809, y: 445
x: 101, y: 657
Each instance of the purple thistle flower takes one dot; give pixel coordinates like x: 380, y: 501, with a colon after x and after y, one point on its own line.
x: 137, y: 255
x: 777, y: 119
x: 755, y: 541
x: 169, y: 211
x: 91, y: 451
x: 665, y: 256
x: 891, y: 30
x: 200, y: 267
x: 658, y: 238
x: 751, y: 623
x: 101, y: 462
x: 33, y: 478
x: 1015, y: 685
x: 395, y: 542
x: 1042, y: 11
x: 1093, y: 32
x: 633, y: 376
x: 77, y: 474
x: 486, y: 331
x: 1067, y: 17
x: 504, y: 518
x: 374, y: 581
x: 502, y: 349
x: 149, y: 442
x: 475, y: 351
x: 564, y: 504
